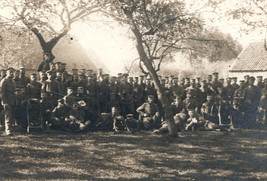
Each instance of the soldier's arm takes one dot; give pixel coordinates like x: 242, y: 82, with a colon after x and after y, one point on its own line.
x: 4, y: 92
x: 140, y: 109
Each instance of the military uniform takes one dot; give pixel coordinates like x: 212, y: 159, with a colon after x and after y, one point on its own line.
x: 8, y: 100
x: 149, y: 115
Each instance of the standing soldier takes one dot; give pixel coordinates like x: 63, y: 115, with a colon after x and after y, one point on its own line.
x: 263, y: 103
x: 34, y: 97
x: 215, y: 83
x: 246, y: 78
x: 45, y: 64
x: 260, y: 83
x: 251, y: 102
x: 177, y: 90
x: 51, y: 87
x: 8, y: 99
x: 229, y: 89
x: 21, y: 101
x: 2, y: 74
x: 23, y: 77
x: 234, y: 83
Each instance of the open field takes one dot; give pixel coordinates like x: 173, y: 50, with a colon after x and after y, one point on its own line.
x: 240, y: 155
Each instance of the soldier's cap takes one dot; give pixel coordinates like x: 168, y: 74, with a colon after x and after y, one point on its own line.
x: 119, y: 74
x: 89, y: 70
x: 94, y: 74
x: 215, y: 73
x: 141, y: 75
x: 251, y: 78
x: 74, y: 69
x: 259, y: 76
x: 221, y: 79
x: 83, y: 68
x: 193, y: 80
x: 150, y: 96
x: 22, y: 68
x: 234, y: 78
x: 74, y: 74
x: 163, y: 80
x: 175, y: 77
x: 60, y: 100
x: 63, y: 63
x: 58, y: 63
x: 203, y: 80
x: 135, y: 77
x: 166, y: 77
x: 187, y: 78
x: 10, y: 68
x: 33, y: 74
x: 171, y: 76
x: 125, y: 75
x: 129, y: 115
x: 242, y: 81
x: 246, y: 76
x: 198, y: 78
x: 209, y: 75
x: 159, y: 75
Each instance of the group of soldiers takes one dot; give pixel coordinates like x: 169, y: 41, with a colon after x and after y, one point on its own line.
x: 84, y: 99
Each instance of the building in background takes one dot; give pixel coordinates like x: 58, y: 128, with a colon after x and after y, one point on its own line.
x: 251, y: 61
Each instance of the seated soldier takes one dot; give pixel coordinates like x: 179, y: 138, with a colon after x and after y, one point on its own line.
x: 132, y: 125
x: 118, y: 121
x: 209, y: 110
x: 177, y: 105
x: 59, y: 114
x: 179, y: 119
x: 149, y: 114
x: 194, y: 122
x: 106, y: 120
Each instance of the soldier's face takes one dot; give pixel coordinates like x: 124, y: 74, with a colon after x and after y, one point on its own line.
x: 10, y: 73
x: 251, y: 82
x: 22, y: 72
x: 33, y: 78
x: 16, y: 74
x: 150, y: 100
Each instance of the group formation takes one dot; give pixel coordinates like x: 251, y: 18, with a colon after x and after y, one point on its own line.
x: 88, y: 100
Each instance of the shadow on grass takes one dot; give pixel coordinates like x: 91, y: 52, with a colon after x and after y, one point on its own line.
x: 238, y: 155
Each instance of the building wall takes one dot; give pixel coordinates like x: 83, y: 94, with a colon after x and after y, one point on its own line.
x: 240, y: 75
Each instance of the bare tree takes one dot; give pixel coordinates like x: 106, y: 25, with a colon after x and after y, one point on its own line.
x: 49, y: 20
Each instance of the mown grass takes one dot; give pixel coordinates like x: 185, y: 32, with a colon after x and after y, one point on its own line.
x: 240, y: 155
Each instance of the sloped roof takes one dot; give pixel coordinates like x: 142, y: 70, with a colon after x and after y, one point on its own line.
x: 252, y: 59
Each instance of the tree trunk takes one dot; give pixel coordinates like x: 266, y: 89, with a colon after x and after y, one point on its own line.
x: 161, y: 94
x: 163, y: 99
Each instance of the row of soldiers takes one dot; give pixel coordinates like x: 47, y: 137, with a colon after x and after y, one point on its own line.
x: 213, y: 97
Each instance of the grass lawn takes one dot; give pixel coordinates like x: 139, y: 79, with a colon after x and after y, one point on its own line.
x: 240, y: 155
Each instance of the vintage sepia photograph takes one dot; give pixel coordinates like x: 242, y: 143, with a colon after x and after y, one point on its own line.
x: 133, y: 90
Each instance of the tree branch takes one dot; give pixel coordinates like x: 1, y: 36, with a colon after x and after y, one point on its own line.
x: 142, y: 69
